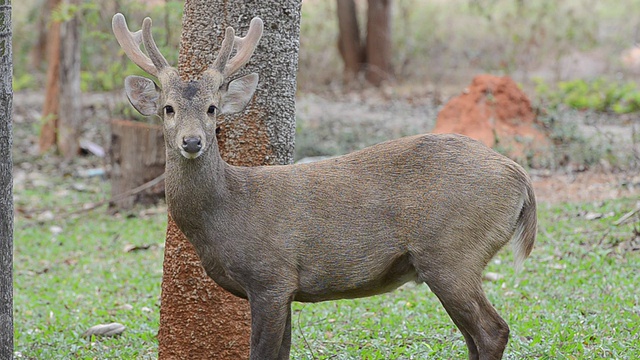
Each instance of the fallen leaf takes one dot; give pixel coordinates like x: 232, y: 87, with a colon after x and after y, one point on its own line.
x: 111, y: 329
x: 592, y: 215
x: 491, y: 276
x: 131, y: 247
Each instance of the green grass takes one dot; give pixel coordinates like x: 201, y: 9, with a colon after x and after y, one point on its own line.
x: 576, y: 298
x: 71, y: 274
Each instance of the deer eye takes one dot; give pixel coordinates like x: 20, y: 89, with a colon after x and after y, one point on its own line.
x: 168, y: 110
x: 211, y: 110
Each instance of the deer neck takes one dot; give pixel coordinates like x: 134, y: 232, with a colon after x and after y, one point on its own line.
x: 196, y: 189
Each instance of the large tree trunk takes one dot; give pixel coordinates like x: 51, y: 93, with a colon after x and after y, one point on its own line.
x: 6, y: 183
x: 198, y: 319
x: 51, y: 106
x: 69, y: 115
x: 378, y: 41
x: 349, y: 44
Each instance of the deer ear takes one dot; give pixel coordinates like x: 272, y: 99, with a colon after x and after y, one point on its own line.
x: 143, y: 94
x: 238, y: 94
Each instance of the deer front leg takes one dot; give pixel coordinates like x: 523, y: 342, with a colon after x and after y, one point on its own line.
x: 270, y: 319
x: 285, y: 347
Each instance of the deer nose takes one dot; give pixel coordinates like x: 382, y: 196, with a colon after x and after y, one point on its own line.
x: 191, y: 144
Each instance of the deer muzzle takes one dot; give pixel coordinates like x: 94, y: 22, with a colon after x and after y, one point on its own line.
x: 191, y: 147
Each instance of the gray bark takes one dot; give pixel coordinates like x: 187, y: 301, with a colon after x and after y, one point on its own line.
x: 275, y: 60
x: 6, y: 182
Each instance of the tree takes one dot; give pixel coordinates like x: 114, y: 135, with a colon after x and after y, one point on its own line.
x: 6, y: 184
x: 198, y: 319
x: 62, y: 108
x: 374, y: 57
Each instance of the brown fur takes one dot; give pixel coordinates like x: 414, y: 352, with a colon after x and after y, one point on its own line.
x: 427, y: 208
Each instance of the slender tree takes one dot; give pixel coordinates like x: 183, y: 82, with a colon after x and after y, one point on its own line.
x: 51, y: 106
x: 373, y: 55
x: 6, y: 183
x: 61, y: 110
x: 198, y: 319
x: 378, y: 41
x: 349, y: 43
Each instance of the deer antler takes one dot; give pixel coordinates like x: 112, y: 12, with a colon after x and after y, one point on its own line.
x: 130, y: 43
x: 244, y: 45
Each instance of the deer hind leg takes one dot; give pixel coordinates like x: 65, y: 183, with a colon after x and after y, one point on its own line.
x: 485, y: 332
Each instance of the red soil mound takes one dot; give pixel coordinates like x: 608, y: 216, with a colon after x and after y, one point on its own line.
x: 495, y: 111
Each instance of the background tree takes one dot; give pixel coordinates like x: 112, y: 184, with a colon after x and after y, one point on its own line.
x: 6, y: 183
x: 198, y: 319
x: 62, y: 108
x: 374, y: 57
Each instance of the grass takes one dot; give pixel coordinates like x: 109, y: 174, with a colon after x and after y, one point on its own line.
x: 576, y: 298
x: 71, y: 274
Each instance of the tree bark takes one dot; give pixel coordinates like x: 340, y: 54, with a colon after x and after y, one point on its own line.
x: 6, y: 184
x: 69, y: 111
x: 137, y: 156
x: 349, y: 43
x: 51, y: 106
x: 378, y: 42
x: 198, y: 319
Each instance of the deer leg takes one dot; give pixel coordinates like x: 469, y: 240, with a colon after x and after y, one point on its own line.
x: 285, y: 347
x: 485, y: 332
x: 269, y: 317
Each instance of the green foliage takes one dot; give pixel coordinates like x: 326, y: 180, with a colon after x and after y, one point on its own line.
x: 103, y: 63
x: 73, y: 273
x: 599, y: 95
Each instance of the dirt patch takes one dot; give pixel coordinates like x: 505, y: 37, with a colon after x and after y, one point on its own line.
x: 586, y: 186
x: 495, y: 111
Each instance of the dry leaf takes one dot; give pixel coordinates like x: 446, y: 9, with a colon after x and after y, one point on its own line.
x: 112, y: 329
x: 491, y: 276
x: 131, y: 247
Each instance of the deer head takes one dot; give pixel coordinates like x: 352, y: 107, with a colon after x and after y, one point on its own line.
x: 188, y: 108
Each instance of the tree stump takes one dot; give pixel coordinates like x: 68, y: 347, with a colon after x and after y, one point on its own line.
x: 137, y: 158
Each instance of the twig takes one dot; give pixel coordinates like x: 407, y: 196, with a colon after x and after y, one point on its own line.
x: 85, y: 207
x: 626, y: 216
x: 313, y: 355
x: 120, y: 196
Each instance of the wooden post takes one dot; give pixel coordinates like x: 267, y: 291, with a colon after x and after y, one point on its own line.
x: 198, y: 319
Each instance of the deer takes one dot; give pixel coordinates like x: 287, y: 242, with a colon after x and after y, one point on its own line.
x: 429, y: 208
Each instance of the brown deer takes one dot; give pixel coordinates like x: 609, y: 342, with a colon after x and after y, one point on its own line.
x: 427, y: 208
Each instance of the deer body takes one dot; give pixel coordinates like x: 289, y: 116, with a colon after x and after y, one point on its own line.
x: 426, y: 208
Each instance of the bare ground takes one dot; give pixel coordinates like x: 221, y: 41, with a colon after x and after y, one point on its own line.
x: 335, y: 123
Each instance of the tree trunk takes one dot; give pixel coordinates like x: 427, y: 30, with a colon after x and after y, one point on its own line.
x: 349, y: 44
x: 378, y: 42
x: 69, y: 111
x: 198, y: 319
x: 137, y: 157
x: 50, y: 109
x: 6, y: 184
x: 39, y: 49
